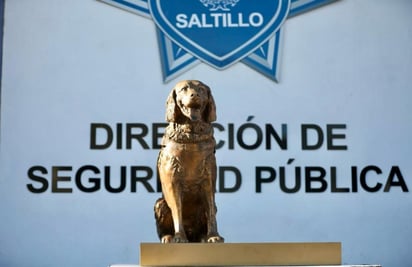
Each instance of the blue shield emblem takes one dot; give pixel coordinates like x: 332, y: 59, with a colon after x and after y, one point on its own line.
x: 219, y: 32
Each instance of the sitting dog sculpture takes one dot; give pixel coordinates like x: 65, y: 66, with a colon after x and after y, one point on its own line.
x: 187, y: 167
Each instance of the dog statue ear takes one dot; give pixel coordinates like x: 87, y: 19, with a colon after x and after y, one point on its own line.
x: 172, y: 110
x: 210, y: 109
x: 171, y: 107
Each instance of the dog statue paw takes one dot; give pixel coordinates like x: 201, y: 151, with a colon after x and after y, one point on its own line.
x: 215, y: 239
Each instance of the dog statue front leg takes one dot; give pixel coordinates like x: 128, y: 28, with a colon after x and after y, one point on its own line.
x: 212, y: 233
x: 180, y: 235
x: 173, y: 197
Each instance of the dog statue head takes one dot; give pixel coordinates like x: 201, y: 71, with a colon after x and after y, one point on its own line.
x: 190, y: 100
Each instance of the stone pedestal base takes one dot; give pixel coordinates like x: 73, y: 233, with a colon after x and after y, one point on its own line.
x: 239, y: 254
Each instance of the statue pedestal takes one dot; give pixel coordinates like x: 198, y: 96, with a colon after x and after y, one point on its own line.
x: 240, y: 254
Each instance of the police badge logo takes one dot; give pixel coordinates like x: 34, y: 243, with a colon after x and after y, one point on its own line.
x: 222, y: 33
x: 218, y: 32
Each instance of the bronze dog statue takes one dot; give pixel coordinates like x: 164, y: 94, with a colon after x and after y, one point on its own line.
x: 187, y: 167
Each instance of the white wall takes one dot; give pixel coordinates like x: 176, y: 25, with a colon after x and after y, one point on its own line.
x: 68, y: 64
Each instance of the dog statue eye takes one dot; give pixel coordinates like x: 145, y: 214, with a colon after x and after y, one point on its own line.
x: 202, y: 91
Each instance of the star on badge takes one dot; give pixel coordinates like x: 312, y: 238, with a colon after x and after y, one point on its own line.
x: 219, y: 32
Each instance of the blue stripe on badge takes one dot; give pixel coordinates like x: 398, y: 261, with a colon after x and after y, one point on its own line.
x: 140, y: 7
x: 300, y: 6
x: 174, y: 60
